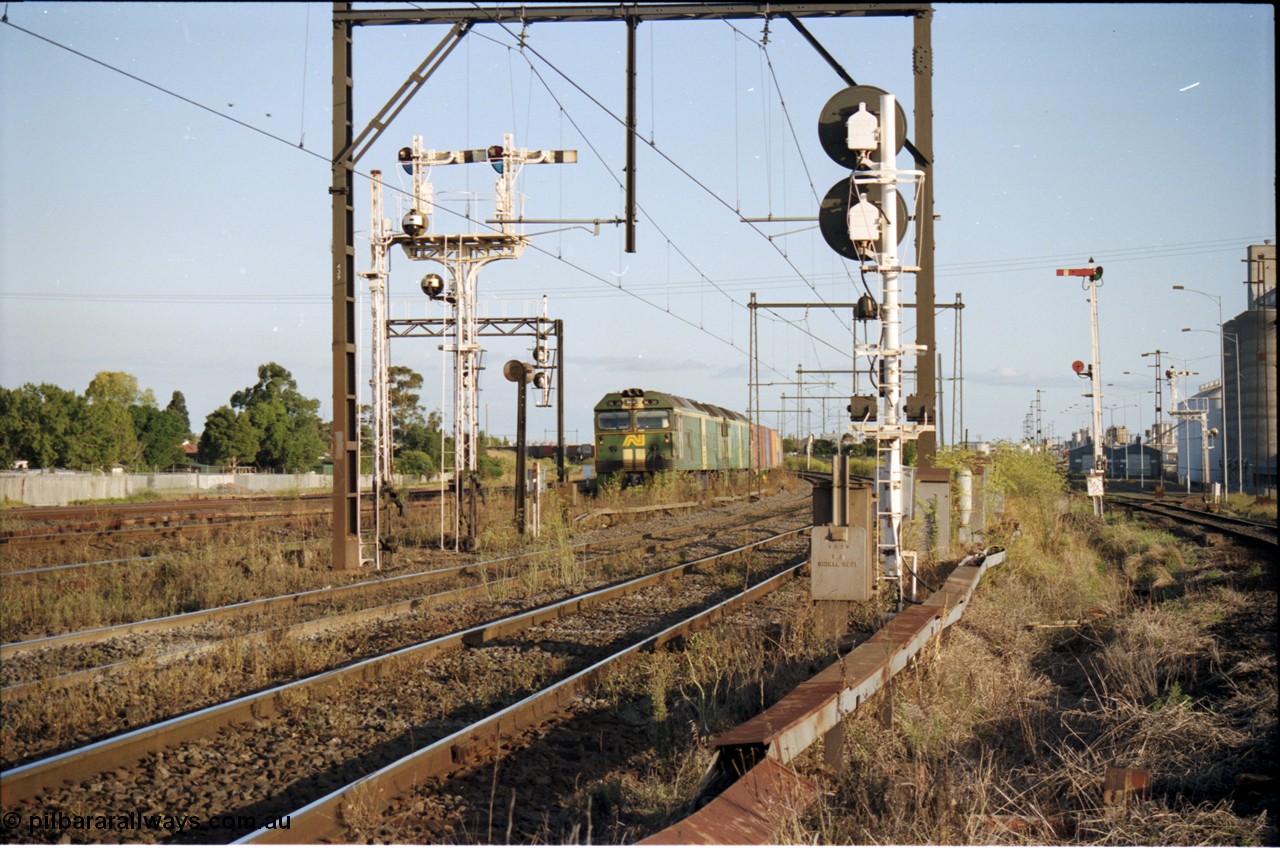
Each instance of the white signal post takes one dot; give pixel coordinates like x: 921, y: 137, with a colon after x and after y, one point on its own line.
x: 893, y: 430
x: 1096, y: 478
x: 462, y: 255
x: 379, y: 241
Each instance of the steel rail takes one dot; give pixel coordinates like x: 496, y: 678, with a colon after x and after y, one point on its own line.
x: 322, y: 820
x: 100, y: 563
x: 295, y: 599
x: 178, y: 516
x: 1241, y: 528
x: 759, y: 789
x: 260, y: 606
x: 305, y: 628
x: 23, y: 541
x: 275, y: 634
x: 193, y: 505
x: 87, y: 761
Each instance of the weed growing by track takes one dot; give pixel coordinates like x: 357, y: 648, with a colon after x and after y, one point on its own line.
x: 1092, y: 646
x: 249, y: 564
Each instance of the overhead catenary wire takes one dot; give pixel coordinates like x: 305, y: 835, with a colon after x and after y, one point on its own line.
x: 659, y: 151
x: 984, y: 267
x: 703, y: 277
x: 292, y: 145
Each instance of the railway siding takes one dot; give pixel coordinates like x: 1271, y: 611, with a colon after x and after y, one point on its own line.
x: 23, y: 782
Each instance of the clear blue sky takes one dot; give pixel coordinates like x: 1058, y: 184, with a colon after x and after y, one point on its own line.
x: 141, y: 233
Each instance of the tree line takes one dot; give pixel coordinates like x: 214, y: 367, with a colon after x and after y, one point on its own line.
x: 269, y: 425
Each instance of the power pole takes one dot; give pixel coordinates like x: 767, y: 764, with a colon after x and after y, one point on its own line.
x: 1158, y: 437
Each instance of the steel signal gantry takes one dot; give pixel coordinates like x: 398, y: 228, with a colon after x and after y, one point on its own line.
x: 462, y: 255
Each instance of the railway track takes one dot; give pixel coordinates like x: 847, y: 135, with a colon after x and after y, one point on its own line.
x: 1244, y: 530
x: 349, y: 622
x: 42, y: 527
x: 280, y: 750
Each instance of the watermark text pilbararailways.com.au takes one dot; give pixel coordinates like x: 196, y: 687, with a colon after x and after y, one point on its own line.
x: 51, y: 819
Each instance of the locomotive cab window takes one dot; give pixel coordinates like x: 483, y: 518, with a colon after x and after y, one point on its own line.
x: 649, y: 420
x: 613, y: 421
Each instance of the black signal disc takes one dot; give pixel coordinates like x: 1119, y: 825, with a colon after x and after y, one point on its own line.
x: 833, y: 217
x: 844, y: 103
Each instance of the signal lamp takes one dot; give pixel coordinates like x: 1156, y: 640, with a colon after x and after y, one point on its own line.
x: 541, y: 380
x: 866, y: 309
x: 414, y: 223
x: 1097, y: 274
x: 516, y: 371
x: 432, y: 285
x: 863, y: 130
x: 861, y: 408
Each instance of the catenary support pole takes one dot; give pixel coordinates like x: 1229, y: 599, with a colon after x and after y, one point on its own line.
x: 346, y: 435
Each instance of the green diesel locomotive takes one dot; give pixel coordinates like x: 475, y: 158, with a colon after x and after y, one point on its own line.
x: 645, y: 431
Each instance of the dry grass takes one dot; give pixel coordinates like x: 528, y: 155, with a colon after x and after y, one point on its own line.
x: 1004, y: 738
x: 251, y: 563
x: 681, y: 697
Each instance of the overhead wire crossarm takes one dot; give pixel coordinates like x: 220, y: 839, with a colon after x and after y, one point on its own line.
x: 538, y: 13
x: 404, y: 94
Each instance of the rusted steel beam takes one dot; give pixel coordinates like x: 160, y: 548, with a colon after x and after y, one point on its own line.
x: 748, y: 812
x: 816, y: 706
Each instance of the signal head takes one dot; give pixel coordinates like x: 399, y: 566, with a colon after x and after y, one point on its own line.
x: 432, y: 285
x: 414, y: 223
x: 833, y: 122
x: 516, y: 371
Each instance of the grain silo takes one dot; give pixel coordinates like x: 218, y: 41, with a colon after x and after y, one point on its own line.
x: 1254, y: 333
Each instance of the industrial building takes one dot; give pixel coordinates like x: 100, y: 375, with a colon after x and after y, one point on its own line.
x: 1190, y: 439
x: 1249, y: 355
x: 1138, y: 462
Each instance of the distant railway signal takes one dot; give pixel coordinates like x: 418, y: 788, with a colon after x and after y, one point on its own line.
x: 1093, y: 276
x: 1093, y: 273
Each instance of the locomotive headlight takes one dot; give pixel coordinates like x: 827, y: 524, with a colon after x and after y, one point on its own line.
x: 414, y: 223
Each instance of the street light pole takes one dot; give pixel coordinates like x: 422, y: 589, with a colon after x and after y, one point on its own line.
x: 1222, y: 366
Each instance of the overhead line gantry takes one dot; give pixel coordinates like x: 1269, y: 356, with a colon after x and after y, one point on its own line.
x: 348, y: 147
